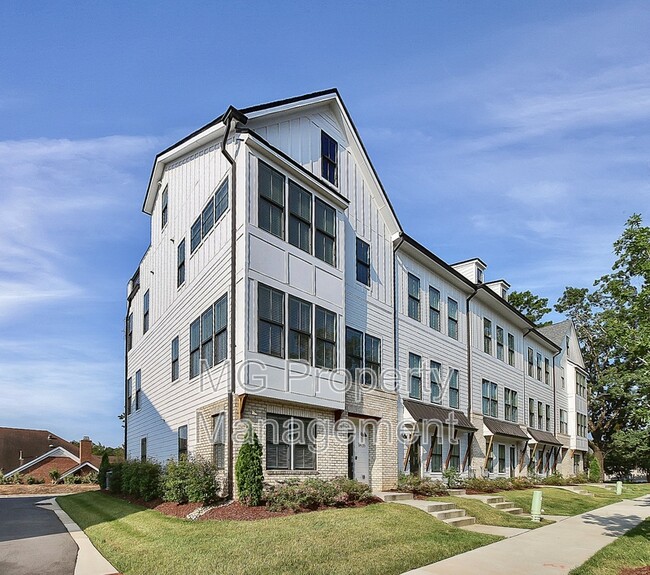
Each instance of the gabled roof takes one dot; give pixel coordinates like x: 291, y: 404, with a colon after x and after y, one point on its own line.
x: 32, y: 442
x: 78, y: 467
x: 56, y: 452
x: 556, y: 332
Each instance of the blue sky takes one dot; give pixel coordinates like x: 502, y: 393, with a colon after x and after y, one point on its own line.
x: 514, y: 131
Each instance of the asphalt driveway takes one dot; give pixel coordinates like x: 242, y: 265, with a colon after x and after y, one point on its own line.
x: 33, y: 540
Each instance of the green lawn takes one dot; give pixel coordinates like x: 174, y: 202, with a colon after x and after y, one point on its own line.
x: 487, y: 515
x: 378, y: 539
x: 630, y: 550
x: 560, y: 501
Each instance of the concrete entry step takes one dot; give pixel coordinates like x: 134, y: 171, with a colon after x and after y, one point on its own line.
x: 460, y: 521
x: 457, y: 492
x: 450, y: 514
x: 495, y: 501
x: 500, y: 504
x: 433, y: 507
x: 513, y: 510
x: 393, y: 496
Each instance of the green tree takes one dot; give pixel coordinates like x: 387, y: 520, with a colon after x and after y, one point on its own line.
x: 613, y: 324
x: 248, y: 470
x: 594, y: 471
x: 629, y: 450
x: 104, y: 466
x: 532, y: 306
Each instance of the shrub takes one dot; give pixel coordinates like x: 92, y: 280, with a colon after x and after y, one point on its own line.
x: 104, y: 466
x: 187, y: 480
x: 136, y: 478
x: 421, y: 485
x: 54, y: 475
x: 594, y: 471
x: 174, y: 481
x: 522, y: 483
x: 481, y: 485
x: 91, y: 477
x: 248, y: 470
x: 312, y: 494
x: 352, y: 490
x: 115, y: 481
x: 72, y: 479
x: 31, y: 480
x: 555, y: 478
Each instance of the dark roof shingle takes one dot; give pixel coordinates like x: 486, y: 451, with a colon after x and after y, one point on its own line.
x: 428, y: 412
x: 543, y: 437
x: 498, y: 427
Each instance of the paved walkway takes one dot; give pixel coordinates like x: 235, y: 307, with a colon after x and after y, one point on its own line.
x: 551, y: 550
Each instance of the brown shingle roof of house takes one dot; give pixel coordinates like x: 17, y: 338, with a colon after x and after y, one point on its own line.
x: 32, y: 442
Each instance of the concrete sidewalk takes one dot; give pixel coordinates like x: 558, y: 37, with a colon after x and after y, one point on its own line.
x: 551, y: 550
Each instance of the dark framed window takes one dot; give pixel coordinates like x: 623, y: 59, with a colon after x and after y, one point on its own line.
x: 502, y: 458
x: 487, y: 336
x: 290, y: 443
x: 180, y: 264
x: 145, y: 312
x: 329, y: 158
x: 454, y: 389
x: 511, y: 349
x: 435, y: 371
x: 511, y: 405
x: 540, y: 415
x: 270, y: 323
x: 564, y: 422
x: 221, y: 201
x: 434, y: 308
x: 452, y: 318
x: 490, y: 398
x: 414, y: 297
x: 539, y: 366
x: 415, y: 376
x: 207, y: 339
x: 299, y: 329
x: 129, y: 396
x: 195, y: 235
x: 531, y: 364
x: 454, y: 456
x: 195, y: 348
x: 500, y: 346
x: 548, y: 417
x: 182, y: 441
x: 270, y: 185
x: 129, y: 332
x: 218, y: 440
x: 353, y: 352
x: 175, y: 358
x: 489, y: 460
x: 373, y: 359
x: 300, y: 202
x: 435, y: 466
x: 221, y: 329
x: 164, y: 209
x: 325, y: 237
x: 207, y: 218
x: 143, y: 449
x: 547, y: 371
x: 363, y: 262
x: 581, y: 384
x: 325, y: 338
x: 138, y: 390
x: 531, y: 412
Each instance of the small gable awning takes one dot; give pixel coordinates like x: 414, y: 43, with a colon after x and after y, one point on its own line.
x: 543, y: 437
x: 434, y: 413
x: 504, y: 428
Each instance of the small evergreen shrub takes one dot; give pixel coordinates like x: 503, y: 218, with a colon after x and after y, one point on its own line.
x: 452, y: 476
x: 555, y: 478
x: 190, y: 481
x: 351, y: 490
x: 522, y: 483
x: 139, y: 479
x: 55, y: 475
x: 174, y: 481
x: 115, y: 481
x: 104, y: 466
x: 481, y: 485
x: 421, y: 485
x: 248, y: 470
x: 31, y: 480
x: 595, y: 475
x: 312, y: 494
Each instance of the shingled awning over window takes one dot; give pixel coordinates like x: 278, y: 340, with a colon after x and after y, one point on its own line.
x: 428, y: 412
x: 498, y: 427
x: 543, y: 437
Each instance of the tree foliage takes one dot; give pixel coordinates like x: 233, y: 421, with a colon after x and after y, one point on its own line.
x: 613, y: 324
x: 532, y: 306
x: 629, y: 450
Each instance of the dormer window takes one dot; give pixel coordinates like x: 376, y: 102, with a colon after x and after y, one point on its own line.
x: 329, y: 149
x: 479, y: 275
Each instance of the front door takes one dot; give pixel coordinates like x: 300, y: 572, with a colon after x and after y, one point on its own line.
x: 360, y: 456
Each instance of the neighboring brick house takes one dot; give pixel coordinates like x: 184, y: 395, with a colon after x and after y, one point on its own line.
x: 34, y: 453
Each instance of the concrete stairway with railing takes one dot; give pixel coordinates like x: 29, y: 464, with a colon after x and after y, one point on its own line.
x: 443, y: 511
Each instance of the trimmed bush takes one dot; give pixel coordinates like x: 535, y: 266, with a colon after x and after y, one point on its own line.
x: 248, y: 470
x: 312, y: 494
x: 555, y: 478
x: 522, y: 483
x: 187, y: 480
x: 594, y: 471
x: 104, y: 466
x: 139, y: 479
x: 421, y: 485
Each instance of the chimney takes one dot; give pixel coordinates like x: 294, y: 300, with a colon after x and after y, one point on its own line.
x: 85, y: 449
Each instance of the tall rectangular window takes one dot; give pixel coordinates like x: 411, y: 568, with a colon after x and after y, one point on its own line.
x: 511, y: 405
x: 548, y: 417
x: 452, y: 318
x: 145, y: 312
x: 195, y: 235
x: 329, y: 158
x: 435, y: 371
x: 175, y: 357
x: 502, y: 458
x: 434, y: 308
x: 363, y: 262
x: 221, y: 329
x: 454, y: 456
x: 129, y: 332
x: 373, y: 359
x: 300, y: 201
x: 531, y: 364
x: 547, y: 371
x: 564, y: 422
x: 511, y: 349
x: 435, y: 465
x: 454, y: 389
x: 270, y: 214
x: 581, y: 384
x: 180, y: 264
x: 531, y: 412
x: 207, y: 218
x: 487, y: 335
x: 143, y: 449
x: 221, y: 201
x: 500, y: 346
x: 270, y: 323
x: 325, y: 338
x: 413, y: 297
x: 539, y: 366
x: 138, y: 390
x: 219, y: 440
x: 129, y: 396
x: 299, y: 329
x: 164, y: 208
x: 490, y: 398
x: 325, y: 237
x: 207, y: 339
x: 540, y: 415
x: 415, y: 376
x: 182, y: 441
x: 353, y: 352
x: 195, y: 348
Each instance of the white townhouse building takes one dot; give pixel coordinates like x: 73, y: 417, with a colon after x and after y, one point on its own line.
x: 279, y: 292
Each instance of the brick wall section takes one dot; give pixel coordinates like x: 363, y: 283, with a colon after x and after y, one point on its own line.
x: 42, y: 470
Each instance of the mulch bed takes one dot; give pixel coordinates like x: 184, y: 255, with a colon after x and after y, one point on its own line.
x: 235, y: 511
x: 636, y: 571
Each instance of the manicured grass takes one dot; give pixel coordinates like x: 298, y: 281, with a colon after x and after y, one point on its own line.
x: 634, y: 490
x: 378, y: 539
x: 630, y: 550
x: 487, y: 515
x: 560, y: 501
